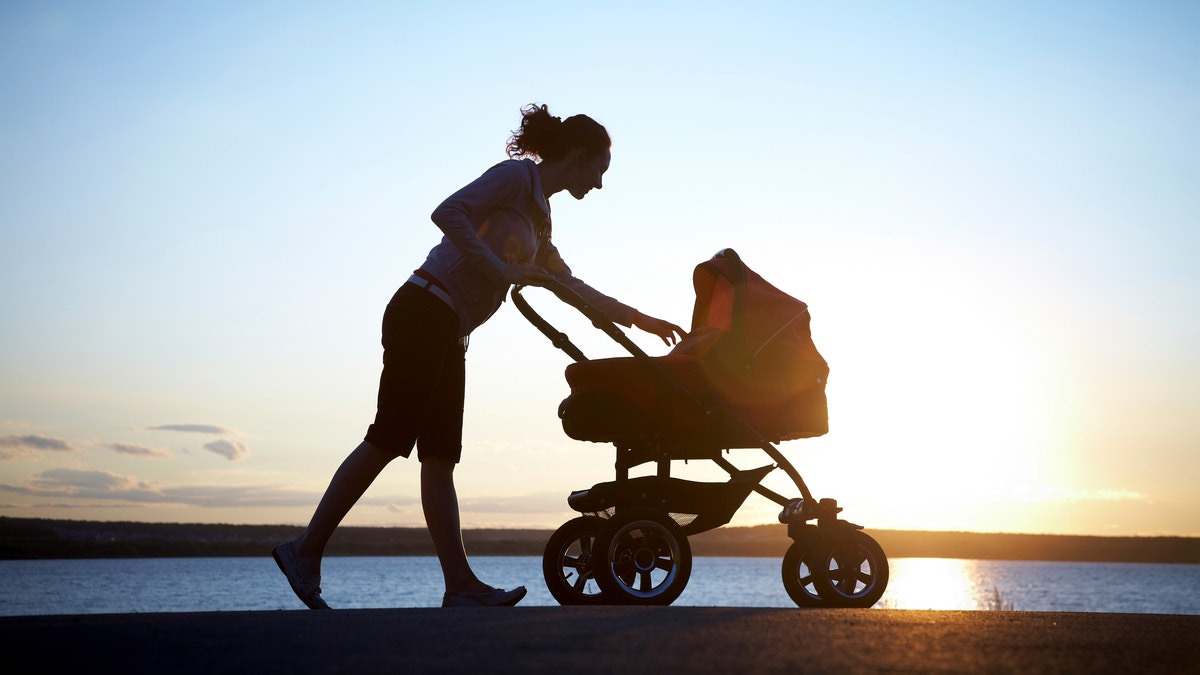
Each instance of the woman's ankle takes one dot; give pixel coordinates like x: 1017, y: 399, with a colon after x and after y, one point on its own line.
x: 308, y: 556
x: 466, y: 584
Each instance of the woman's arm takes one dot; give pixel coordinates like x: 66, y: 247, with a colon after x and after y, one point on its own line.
x: 669, y: 332
x: 496, y: 186
x: 615, y: 310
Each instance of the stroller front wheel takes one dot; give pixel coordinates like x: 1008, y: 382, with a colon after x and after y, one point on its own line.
x: 851, y: 573
x: 799, y: 577
x: 568, y: 563
x: 644, y: 558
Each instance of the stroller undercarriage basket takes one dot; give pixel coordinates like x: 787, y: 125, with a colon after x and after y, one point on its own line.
x: 747, y: 375
x: 694, y: 506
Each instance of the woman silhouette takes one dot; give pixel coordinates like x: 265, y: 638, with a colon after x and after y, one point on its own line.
x: 496, y: 233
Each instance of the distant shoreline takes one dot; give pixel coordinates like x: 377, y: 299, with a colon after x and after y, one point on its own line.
x: 33, y: 538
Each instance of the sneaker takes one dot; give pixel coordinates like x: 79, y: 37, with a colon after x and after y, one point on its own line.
x: 496, y: 597
x: 308, y: 590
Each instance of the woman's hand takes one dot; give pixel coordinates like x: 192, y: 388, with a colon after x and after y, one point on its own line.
x: 669, y: 332
x: 526, y: 273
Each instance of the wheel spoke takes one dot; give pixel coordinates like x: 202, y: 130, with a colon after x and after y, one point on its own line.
x: 625, y: 572
x: 664, y: 564
x: 846, y: 578
x: 854, y: 562
x: 647, y: 583
x: 573, y: 563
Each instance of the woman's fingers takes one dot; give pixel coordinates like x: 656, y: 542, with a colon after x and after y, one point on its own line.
x: 669, y: 332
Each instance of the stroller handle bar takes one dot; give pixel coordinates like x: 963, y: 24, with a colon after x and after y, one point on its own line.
x: 559, y: 339
x: 601, y: 321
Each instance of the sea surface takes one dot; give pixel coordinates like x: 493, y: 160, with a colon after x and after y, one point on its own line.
x: 235, y: 584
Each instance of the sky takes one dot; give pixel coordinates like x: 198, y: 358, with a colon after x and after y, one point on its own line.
x: 990, y: 208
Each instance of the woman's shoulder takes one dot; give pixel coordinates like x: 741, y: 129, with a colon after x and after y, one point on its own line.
x: 512, y: 166
x: 512, y: 173
x: 513, y: 169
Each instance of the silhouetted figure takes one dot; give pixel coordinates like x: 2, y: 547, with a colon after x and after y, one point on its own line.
x: 497, y: 233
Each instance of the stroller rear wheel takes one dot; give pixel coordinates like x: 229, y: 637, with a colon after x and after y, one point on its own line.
x: 850, y: 573
x: 567, y: 563
x: 643, y: 558
x: 799, y: 578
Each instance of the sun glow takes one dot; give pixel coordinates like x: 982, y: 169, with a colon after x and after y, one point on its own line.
x: 937, y: 394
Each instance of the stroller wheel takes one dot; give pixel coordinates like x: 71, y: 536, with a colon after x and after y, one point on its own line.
x: 852, y: 573
x: 644, y: 558
x: 567, y: 563
x: 798, y: 577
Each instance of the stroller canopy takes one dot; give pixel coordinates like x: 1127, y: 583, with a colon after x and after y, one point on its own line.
x: 754, y: 338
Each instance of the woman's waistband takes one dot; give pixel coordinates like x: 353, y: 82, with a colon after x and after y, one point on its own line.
x: 433, y: 287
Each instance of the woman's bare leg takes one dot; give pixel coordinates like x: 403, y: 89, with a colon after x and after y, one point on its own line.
x: 440, y: 502
x: 351, y: 480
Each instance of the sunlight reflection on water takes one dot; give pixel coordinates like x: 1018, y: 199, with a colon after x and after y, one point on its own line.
x: 236, y: 584
x: 934, y: 583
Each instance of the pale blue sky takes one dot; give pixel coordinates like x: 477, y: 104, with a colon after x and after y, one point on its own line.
x: 990, y: 208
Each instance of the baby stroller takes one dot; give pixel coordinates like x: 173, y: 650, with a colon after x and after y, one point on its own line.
x: 746, y: 376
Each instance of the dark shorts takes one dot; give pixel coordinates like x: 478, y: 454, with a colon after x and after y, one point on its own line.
x: 423, y: 383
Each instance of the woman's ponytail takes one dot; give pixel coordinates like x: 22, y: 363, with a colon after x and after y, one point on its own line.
x: 544, y: 136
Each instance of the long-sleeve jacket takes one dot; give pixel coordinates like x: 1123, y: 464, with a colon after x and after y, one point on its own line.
x: 494, y: 222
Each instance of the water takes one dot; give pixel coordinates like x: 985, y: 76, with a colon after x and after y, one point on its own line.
x: 234, y: 584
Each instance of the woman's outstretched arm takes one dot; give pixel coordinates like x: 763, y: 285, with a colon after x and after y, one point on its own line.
x: 614, y: 309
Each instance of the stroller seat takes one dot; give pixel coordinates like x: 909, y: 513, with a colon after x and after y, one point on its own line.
x: 623, y: 399
x: 749, y: 353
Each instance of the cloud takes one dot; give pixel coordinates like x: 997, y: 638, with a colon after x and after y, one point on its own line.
x: 137, y: 450
x: 81, y: 506
x: 196, y: 429
x: 543, y: 502
x: 13, y: 446
x: 107, y: 489
x: 217, y: 496
x: 232, y: 450
x: 84, y: 479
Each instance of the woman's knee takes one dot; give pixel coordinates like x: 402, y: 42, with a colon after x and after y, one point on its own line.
x: 437, y: 466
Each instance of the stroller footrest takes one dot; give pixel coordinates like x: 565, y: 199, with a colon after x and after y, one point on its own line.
x: 711, y: 504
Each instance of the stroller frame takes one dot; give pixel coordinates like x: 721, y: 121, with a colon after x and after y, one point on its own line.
x: 629, y: 545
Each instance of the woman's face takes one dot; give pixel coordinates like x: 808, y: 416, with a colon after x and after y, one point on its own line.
x: 588, y: 172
